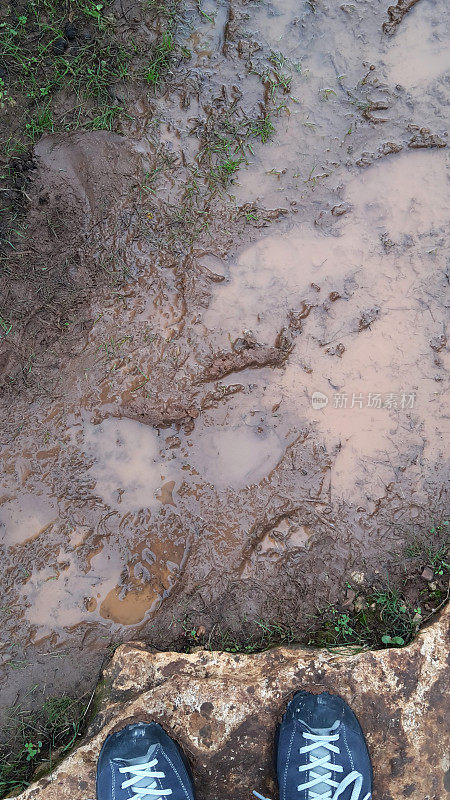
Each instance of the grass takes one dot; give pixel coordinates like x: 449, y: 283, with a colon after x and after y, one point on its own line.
x: 376, y: 618
x: 259, y: 635
x: 276, y: 75
x: 385, y: 617
x: 60, y: 80
x: 226, y: 144
x: 431, y: 548
x: 4, y: 328
x: 161, y: 59
x: 278, y: 79
x: 261, y: 128
x: 40, y: 122
x: 437, y: 555
x: 35, y: 740
x: 66, y: 66
x: 226, y: 140
x: 61, y: 72
x: 382, y: 618
x: 40, y: 62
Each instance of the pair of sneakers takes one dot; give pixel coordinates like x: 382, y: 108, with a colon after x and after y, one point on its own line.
x: 320, y: 752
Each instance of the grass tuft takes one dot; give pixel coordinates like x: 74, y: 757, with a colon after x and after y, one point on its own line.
x: 36, y: 740
x: 61, y: 71
x: 161, y: 59
x: 380, y: 619
x: 373, y: 619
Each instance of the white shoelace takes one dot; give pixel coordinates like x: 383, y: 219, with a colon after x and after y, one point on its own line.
x: 143, y: 781
x: 320, y: 769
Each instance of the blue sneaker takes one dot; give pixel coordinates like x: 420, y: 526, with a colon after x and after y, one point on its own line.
x: 141, y: 762
x: 321, y: 753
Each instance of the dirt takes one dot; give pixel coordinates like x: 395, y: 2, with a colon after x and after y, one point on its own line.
x: 396, y: 14
x: 224, y: 397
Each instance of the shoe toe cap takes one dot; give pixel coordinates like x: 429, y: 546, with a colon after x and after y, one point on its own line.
x: 322, y: 710
x: 132, y: 739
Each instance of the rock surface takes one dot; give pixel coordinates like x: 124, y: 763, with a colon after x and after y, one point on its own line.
x: 224, y: 708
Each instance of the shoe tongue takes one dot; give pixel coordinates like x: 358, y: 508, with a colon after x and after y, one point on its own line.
x: 320, y: 752
x: 142, y: 759
x: 144, y: 783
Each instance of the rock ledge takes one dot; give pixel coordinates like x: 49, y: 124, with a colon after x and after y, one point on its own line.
x: 223, y: 709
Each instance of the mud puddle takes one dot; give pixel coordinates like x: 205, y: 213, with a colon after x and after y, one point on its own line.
x: 249, y: 417
x: 353, y: 302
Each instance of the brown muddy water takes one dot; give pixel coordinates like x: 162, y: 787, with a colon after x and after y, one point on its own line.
x: 257, y: 414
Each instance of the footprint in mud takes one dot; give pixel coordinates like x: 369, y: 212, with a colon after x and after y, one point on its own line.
x: 127, y: 466
x: 419, y: 52
x: 25, y: 518
x: 235, y: 457
x: 363, y: 299
x: 60, y: 596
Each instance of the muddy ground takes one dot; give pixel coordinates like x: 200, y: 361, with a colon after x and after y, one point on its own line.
x: 223, y: 347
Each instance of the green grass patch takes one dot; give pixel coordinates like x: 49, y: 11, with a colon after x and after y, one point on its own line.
x: 380, y: 619
x: 370, y: 618
x: 161, y: 59
x: 64, y: 66
x: 36, y: 740
x: 227, y: 143
x: 261, y: 128
x: 43, y: 53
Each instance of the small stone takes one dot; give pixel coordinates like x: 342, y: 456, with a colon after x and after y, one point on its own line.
x: 427, y: 574
x: 368, y: 316
x: 173, y: 441
x: 350, y: 596
x: 438, y: 343
x: 240, y: 344
x: 70, y: 31
x: 387, y: 243
x: 60, y: 46
x: 340, y: 210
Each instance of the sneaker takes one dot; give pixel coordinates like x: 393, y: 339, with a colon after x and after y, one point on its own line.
x: 141, y: 762
x: 321, y: 751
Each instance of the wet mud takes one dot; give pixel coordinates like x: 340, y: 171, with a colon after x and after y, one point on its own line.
x: 227, y: 402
